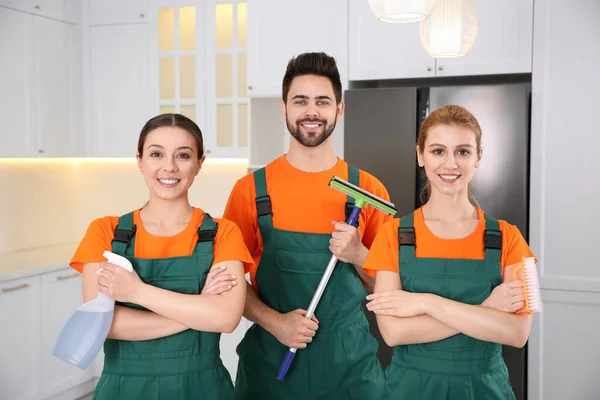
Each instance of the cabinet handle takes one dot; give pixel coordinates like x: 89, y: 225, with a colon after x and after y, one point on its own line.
x: 440, y: 68
x: 41, y: 151
x: 15, y: 288
x: 207, y: 151
x: 64, y: 277
x: 142, y: 15
x: 37, y: 7
x: 249, y: 87
x: 428, y: 68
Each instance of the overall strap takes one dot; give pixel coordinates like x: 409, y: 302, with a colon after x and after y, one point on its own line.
x: 124, y: 240
x: 264, y: 210
x: 492, y: 239
x: 353, y: 178
x: 207, y: 232
x: 407, y: 240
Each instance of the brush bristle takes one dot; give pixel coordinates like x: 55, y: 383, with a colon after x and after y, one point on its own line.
x: 532, y: 283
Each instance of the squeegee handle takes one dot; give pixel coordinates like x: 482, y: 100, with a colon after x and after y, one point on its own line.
x: 287, y: 362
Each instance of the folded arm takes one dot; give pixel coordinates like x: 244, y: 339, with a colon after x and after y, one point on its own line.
x: 412, y: 330
x: 129, y: 323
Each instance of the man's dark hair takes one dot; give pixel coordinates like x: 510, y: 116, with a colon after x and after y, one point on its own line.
x: 319, y: 64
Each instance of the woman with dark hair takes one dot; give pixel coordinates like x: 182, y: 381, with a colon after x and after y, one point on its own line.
x: 444, y: 298
x: 184, y: 290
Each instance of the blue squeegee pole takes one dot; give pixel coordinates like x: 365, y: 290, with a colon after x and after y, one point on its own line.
x: 289, y: 357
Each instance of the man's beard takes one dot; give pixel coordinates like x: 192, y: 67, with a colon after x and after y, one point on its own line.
x: 310, y: 139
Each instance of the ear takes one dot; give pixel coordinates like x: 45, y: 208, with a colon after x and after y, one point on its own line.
x: 340, y: 110
x: 199, y: 164
x: 283, y: 110
x: 479, y: 157
x: 139, y: 161
x: 419, y: 157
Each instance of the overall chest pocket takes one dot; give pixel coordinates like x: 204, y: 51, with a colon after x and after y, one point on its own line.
x: 180, y: 342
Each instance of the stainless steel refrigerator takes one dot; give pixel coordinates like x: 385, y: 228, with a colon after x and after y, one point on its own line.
x: 381, y: 126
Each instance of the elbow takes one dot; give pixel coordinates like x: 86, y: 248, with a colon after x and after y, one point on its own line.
x: 230, y: 326
x: 519, y: 340
x: 386, y: 334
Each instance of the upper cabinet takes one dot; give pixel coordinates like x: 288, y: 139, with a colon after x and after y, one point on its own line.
x: 279, y: 30
x: 106, y: 12
x: 39, y: 105
x: 60, y: 10
x: 181, y: 57
x: 381, y: 50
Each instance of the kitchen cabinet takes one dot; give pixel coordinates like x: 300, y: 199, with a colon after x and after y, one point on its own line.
x: 60, y: 296
x: 60, y: 10
x: 107, y: 12
x: 120, y: 82
x: 38, y: 105
x: 20, y: 339
x: 16, y: 134
x: 56, y: 74
x: 299, y: 26
x: 394, y: 51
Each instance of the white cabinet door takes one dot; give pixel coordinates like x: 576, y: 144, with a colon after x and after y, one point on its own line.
x: 106, y: 12
x: 503, y: 44
x: 16, y: 135
x: 61, y: 295
x: 61, y: 10
x: 21, y: 5
x: 281, y: 29
x: 381, y: 50
x: 54, y: 83
x: 19, y: 339
x: 119, y: 88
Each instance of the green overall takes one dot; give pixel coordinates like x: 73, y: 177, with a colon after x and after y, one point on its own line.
x: 341, y: 361
x: 183, y: 366
x: 459, y: 367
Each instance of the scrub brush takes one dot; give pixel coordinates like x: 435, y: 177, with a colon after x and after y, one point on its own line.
x: 526, y: 272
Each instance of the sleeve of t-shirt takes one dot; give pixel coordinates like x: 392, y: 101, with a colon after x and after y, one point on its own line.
x: 96, y: 240
x: 514, y: 245
x: 229, y: 245
x: 374, y: 218
x: 241, y: 210
x: 383, y: 254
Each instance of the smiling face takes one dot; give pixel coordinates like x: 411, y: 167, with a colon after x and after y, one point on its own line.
x: 450, y: 154
x: 311, y: 111
x: 169, y: 162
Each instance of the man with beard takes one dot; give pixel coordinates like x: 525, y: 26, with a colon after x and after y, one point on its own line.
x: 292, y: 221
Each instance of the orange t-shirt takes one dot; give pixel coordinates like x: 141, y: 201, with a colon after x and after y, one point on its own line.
x: 301, y: 202
x: 383, y: 254
x: 229, y: 244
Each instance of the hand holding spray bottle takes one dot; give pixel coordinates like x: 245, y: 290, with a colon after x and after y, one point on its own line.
x: 83, y: 335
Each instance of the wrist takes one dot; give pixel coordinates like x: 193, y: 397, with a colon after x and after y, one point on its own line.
x: 361, y: 256
x: 140, y: 293
x: 429, y: 303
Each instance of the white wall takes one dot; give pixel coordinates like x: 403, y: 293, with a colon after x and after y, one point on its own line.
x: 565, y: 187
x: 52, y: 202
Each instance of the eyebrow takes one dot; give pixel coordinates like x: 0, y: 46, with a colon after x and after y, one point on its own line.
x: 179, y: 148
x: 304, y: 97
x: 441, y: 145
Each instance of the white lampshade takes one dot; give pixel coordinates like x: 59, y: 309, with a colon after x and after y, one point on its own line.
x: 401, y: 11
x: 450, y: 30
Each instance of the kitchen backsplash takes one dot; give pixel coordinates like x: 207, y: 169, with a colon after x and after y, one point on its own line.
x: 52, y: 202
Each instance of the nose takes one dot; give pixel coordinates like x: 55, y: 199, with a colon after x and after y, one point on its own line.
x: 311, y: 111
x: 169, y: 164
x: 450, y: 162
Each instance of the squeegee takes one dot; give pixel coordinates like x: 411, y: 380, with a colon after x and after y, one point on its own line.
x: 361, y: 198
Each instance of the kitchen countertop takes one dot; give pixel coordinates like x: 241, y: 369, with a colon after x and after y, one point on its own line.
x: 23, y: 263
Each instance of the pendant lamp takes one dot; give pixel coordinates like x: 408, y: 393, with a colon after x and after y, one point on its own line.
x: 401, y: 11
x: 450, y: 30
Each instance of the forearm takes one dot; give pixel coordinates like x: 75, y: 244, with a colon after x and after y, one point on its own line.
x: 208, y: 313
x: 480, y: 322
x: 414, y: 330
x: 258, y: 312
x: 132, y: 324
x: 367, y: 280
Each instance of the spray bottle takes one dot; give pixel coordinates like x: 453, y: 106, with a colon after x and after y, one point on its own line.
x: 83, y: 335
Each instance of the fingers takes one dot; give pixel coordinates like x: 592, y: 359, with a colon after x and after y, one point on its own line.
x: 518, y: 306
x: 216, y: 272
x: 341, y: 226
x: 220, y: 284
x: 514, y: 284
